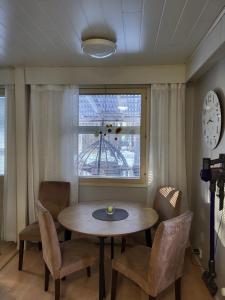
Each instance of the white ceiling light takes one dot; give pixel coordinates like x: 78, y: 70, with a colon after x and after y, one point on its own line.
x: 98, y: 48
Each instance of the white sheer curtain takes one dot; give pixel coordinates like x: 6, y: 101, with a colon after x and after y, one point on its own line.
x: 9, y: 223
x: 52, y: 139
x: 167, y: 164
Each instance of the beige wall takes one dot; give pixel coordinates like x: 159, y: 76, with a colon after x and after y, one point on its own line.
x: 214, y: 79
x: 90, y: 193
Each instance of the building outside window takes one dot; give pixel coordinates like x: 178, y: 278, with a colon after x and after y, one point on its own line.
x: 112, y: 135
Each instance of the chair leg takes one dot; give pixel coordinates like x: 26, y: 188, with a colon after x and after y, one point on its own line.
x: 123, y: 245
x: 104, y: 291
x: 112, y: 247
x: 21, y: 249
x: 57, y: 289
x: 88, y: 271
x: 114, y: 283
x: 148, y: 237
x: 40, y: 246
x: 178, y: 289
x: 47, y: 273
x: 67, y: 235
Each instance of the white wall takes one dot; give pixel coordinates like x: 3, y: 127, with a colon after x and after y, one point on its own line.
x: 107, y: 75
x: 7, y: 76
x: 110, y: 75
x: 214, y: 79
x: 82, y: 76
x: 89, y: 193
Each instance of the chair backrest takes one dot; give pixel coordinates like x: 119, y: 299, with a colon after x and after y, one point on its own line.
x: 55, y: 196
x: 168, y: 251
x: 167, y: 203
x: 50, y: 243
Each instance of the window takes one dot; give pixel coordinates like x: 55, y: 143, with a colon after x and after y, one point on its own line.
x: 111, y: 135
x: 2, y: 130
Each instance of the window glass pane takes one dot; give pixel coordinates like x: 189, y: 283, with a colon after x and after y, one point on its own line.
x: 106, y: 157
x: 109, y: 139
x: 118, y: 110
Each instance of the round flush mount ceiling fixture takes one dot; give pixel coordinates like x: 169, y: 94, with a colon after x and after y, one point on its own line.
x: 98, y: 48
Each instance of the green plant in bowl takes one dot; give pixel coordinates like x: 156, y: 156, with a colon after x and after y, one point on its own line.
x: 109, y: 210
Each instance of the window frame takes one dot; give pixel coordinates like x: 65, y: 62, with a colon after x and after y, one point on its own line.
x: 142, y: 181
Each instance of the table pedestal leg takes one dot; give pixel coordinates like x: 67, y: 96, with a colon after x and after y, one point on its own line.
x: 123, y: 245
x: 112, y: 247
x: 101, y: 269
x: 148, y: 237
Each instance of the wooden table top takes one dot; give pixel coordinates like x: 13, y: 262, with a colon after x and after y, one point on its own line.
x: 79, y: 218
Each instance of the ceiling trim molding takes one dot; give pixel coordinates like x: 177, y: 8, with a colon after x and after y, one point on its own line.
x: 7, y: 76
x: 106, y: 75
x: 209, y: 50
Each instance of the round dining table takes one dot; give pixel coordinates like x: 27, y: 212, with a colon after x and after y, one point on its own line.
x: 78, y: 218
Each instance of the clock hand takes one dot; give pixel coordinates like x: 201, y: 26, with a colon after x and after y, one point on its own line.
x: 210, y: 121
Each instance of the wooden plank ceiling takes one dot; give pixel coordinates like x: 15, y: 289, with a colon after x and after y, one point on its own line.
x: 49, y: 32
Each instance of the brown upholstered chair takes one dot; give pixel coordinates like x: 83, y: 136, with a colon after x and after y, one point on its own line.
x: 156, y: 269
x: 167, y: 204
x: 65, y: 258
x: 54, y: 196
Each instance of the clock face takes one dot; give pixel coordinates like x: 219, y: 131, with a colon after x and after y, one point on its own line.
x: 211, y: 120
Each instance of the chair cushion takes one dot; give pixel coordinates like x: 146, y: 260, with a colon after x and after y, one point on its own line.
x: 134, y: 264
x: 77, y: 255
x: 156, y: 269
x: 32, y: 232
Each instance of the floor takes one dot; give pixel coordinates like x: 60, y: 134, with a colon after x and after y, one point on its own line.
x: 28, y: 284
x: 7, y: 251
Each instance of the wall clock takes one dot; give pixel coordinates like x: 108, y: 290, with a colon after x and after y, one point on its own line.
x: 211, y: 120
